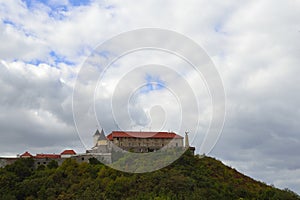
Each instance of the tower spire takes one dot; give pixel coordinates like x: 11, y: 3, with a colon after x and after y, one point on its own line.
x: 96, y: 136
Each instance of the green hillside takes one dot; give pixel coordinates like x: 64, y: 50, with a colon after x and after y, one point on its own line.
x: 190, y: 177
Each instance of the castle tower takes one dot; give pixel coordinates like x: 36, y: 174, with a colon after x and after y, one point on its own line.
x: 101, y: 149
x: 187, y: 144
x: 102, y: 140
x: 96, y: 136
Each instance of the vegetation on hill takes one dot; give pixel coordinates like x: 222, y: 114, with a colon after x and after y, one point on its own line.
x: 190, y: 177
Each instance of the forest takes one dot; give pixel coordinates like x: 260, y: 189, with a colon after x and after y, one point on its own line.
x: 189, y: 177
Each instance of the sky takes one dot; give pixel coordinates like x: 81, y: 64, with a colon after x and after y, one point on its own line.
x: 254, y: 45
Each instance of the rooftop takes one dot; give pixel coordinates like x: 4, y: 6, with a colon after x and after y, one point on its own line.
x: 68, y: 152
x: 139, y: 134
x: 26, y: 154
x: 47, y: 156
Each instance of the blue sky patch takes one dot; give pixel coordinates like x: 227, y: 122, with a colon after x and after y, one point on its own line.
x: 152, y: 83
x: 58, y: 12
x: 218, y: 28
x: 104, y: 54
x: 56, y: 8
x: 60, y: 59
x: 18, y: 27
x: 61, y: 6
x: 79, y: 2
x: 35, y: 62
x: 28, y: 3
x: 6, y: 21
x: 55, y: 58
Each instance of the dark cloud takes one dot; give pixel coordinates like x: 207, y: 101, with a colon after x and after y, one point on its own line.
x: 34, y: 109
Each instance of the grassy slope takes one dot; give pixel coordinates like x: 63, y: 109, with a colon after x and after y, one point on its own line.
x: 190, y: 177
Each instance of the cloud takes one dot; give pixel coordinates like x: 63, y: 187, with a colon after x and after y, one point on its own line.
x: 260, y: 69
x: 35, y: 107
x: 254, y: 45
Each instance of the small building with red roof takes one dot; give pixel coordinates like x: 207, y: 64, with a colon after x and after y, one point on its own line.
x: 68, y: 153
x: 26, y: 155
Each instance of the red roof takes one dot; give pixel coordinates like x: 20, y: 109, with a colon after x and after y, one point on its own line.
x: 47, y: 156
x: 138, y: 134
x: 26, y: 154
x: 68, y: 152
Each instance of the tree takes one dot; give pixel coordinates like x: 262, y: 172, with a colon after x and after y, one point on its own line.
x: 94, y: 161
x: 22, y: 168
x: 52, y: 164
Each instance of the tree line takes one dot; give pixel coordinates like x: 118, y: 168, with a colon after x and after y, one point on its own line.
x: 189, y: 177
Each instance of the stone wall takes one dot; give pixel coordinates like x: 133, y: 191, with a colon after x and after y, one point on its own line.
x: 103, y: 157
x: 6, y: 161
x: 147, y: 144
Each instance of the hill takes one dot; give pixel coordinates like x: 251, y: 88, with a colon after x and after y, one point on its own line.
x: 190, y: 177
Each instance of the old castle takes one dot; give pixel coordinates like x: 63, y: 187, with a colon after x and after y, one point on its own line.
x: 136, y: 141
x: 132, y: 141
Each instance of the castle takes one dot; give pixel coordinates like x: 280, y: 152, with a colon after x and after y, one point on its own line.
x: 136, y: 141
x: 104, y: 146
